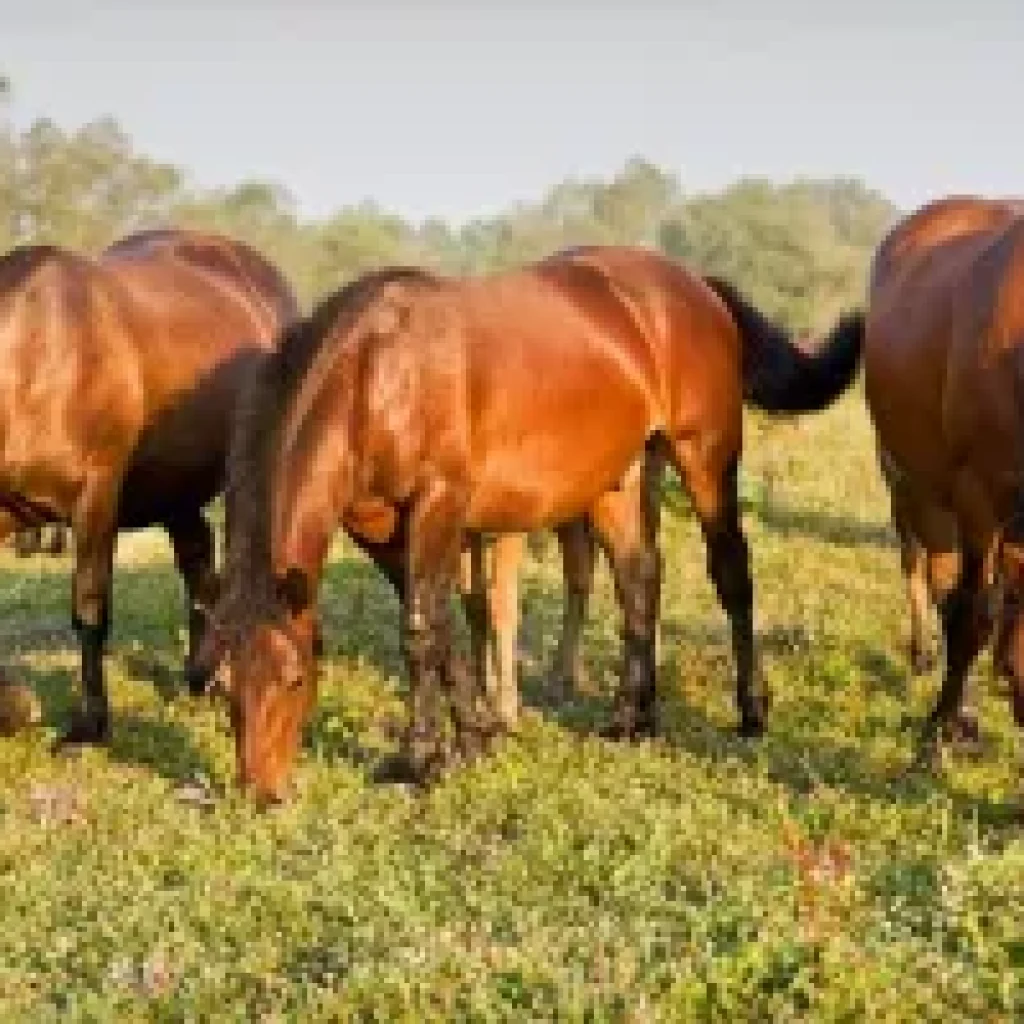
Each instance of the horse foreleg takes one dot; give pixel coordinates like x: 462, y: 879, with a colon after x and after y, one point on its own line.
x: 490, y: 589
x: 95, y: 526
x: 192, y: 541
x: 432, y: 567
x: 579, y: 555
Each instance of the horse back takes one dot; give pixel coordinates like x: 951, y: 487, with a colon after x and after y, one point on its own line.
x: 695, y: 341
x: 939, y: 222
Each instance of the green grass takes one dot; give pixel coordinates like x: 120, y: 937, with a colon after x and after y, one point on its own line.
x: 697, y: 878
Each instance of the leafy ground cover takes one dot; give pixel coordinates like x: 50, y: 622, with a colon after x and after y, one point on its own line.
x: 700, y: 877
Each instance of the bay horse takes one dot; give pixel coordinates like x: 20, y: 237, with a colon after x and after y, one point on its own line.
x: 417, y: 410
x: 116, y: 400
x: 944, y: 372
x: 928, y: 576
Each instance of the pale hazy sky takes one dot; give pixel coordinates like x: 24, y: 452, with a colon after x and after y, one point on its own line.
x: 456, y: 108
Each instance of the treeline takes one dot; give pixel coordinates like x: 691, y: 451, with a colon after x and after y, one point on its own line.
x: 801, y: 250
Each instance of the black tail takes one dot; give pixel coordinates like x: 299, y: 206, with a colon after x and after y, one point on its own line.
x: 778, y: 376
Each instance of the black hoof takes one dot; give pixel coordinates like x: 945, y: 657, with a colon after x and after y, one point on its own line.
x: 197, y: 680
x: 394, y: 770
x: 422, y: 770
x: 751, y: 727
x: 83, y: 732
x: 630, y: 727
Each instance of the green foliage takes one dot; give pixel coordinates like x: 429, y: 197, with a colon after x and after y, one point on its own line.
x: 801, y: 250
x: 83, y: 189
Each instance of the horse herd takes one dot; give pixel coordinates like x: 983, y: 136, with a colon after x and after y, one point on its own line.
x: 439, y: 419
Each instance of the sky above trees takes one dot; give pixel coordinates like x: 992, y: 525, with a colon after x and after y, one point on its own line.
x: 457, y: 110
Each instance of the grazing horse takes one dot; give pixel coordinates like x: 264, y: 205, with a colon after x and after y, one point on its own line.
x: 944, y: 381
x: 416, y: 410
x: 928, y: 576
x: 116, y: 400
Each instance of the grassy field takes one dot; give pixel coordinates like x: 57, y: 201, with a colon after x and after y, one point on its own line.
x: 697, y: 878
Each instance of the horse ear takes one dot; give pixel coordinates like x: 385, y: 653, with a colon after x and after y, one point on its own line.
x: 294, y: 589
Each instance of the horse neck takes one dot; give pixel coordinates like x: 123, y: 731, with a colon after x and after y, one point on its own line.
x: 310, y: 496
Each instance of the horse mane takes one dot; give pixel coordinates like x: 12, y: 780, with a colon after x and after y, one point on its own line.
x: 265, y: 400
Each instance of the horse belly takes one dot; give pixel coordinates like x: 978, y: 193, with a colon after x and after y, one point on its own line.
x: 546, y: 477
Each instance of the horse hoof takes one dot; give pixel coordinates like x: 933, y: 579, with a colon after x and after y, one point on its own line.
x: 394, y: 770
x: 751, y: 727
x: 965, y: 728
x: 83, y: 732
x: 964, y: 733
x: 197, y: 680
x: 629, y: 728
x: 922, y: 663
x: 422, y: 770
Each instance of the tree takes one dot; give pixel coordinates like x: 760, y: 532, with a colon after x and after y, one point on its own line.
x: 800, y: 251
x: 83, y: 189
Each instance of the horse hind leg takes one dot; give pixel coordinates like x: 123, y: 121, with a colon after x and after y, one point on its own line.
x: 940, y: 577
x: 579, y: 552
x: 914, y: 562
x: 966, y: 623
x: 625, y: 523
x: 712, y: 478
x: 914, y: 565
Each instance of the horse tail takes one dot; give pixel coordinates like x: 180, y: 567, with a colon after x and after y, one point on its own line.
x: 780, y: 376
